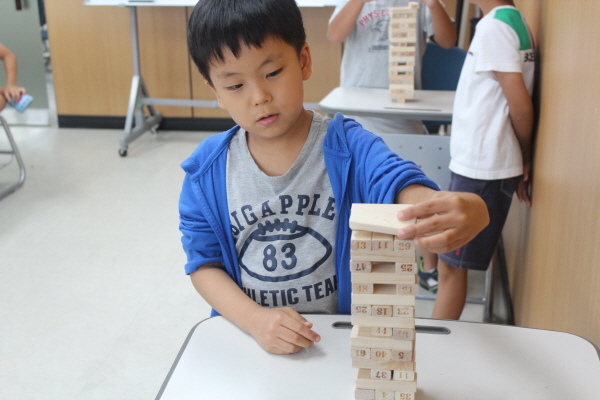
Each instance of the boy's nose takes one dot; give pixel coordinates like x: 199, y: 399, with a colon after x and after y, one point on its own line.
x: 261, y: 96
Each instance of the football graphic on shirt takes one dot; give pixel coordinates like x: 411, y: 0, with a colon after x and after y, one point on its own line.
x: 276, y: 244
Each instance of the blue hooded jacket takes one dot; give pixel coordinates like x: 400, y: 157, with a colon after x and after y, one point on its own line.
x: 361, y: 169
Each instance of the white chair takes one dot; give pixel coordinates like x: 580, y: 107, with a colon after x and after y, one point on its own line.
x: 15, y: 152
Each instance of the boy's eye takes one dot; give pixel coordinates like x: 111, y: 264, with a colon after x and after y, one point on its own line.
x: 274, y: 73
x: 234, y: 87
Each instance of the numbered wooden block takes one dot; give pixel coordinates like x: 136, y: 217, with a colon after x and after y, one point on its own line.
x: 364, y: 394
x: 360, y: 266
x: 404, y: 395
x: 364, y: 381
x: 381, y: 354
x: 404, y: 375
x: 381, y: 311
x: 364, y: 288
x: 382, y: 331
x: 361, y: 353
x: 403, y: 334
x: 401, y: 355
x: 383, y: 278
x: 360, y: 240
x: 369, y: 320
x: 361, y: 337
x: 384, y: 395
x: 403, y: 311
x: 381, y: 374
x: 361, y: 309
x: 406, y: 268
x: 404, y: 288
x: 381, y: 242
x: 404, y: 245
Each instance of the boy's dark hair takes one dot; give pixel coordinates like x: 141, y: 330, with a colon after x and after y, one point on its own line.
x: 219, y: 24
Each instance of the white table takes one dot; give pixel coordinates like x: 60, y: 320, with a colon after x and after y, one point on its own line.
x: 431, y: 105
x: 473, y: 362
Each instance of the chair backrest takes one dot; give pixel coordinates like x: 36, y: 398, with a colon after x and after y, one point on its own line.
x: 431, y: 153
x: 441, y: 67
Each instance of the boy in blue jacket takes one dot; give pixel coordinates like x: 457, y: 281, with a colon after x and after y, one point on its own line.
x: 264, y: 207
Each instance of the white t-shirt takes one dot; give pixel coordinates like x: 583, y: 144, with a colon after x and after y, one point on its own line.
x: 483, y: 144
x: 365, y: 62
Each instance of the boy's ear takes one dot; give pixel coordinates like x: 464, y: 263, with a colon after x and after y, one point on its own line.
x: 306, y: 62
x: 210, y: 85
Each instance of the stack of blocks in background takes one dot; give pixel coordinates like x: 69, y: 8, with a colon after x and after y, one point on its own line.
x: 384, y: 284
x: 403, y: 50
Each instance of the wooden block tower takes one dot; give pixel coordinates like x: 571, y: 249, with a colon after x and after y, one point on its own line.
x: 403, y: 50
x: 384, y: 284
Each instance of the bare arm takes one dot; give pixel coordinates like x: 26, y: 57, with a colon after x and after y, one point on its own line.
x: 520, y: 108
x: 277, y: 330
x: 12, y: 91
x: 444, y: 30
x: 341, y: 26
x: 447, y: 220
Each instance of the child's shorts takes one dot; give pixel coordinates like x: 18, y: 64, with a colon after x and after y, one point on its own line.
x: 497, y: 195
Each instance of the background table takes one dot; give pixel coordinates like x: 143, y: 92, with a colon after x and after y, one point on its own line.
x: 473, y: 361
x: 431, y: 105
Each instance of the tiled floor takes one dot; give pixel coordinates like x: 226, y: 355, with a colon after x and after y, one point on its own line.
x: 94, y: 304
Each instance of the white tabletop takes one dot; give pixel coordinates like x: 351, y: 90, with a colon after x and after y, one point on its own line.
x: 432, y: 105
x: 474, y: 361
x: 189, y: 3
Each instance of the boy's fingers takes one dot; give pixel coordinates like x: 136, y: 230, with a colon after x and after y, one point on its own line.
x: 427, y: 226
x: 299, y: 325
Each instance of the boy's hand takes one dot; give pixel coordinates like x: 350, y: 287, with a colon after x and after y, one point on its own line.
x: 445, y: 221
x: 524, y: 184
x: 282, y: 330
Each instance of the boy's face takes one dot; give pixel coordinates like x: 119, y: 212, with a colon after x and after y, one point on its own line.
x: 263, y: 88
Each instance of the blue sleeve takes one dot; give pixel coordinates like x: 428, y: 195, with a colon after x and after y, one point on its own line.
x: 199, y: 240
x: 380, y: 174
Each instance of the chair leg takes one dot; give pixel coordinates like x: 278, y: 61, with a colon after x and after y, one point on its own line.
x: 14, y: 150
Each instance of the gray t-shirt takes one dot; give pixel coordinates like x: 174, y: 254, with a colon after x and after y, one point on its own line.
x: 284, y: 226
x: 365, y: 62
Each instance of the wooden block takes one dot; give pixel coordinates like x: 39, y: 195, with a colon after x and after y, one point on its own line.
x: 403, y: 311
x: 406, y: 268
x: 360, y: 240
x: 401, y: 355
x: 381, y: 374
x: 403, y: 334
x: 404, y: 396
x: 391, y: 299
x: 404, y: 376
x: 381, y: 311
x: 361, y: 337
x: 397, y: 100
x: 406, y: 288
x: 382, y: 218
x: 360, y: 353
x: 364, y: 381
x: 364, y: 288
x: 381, y: 354
x: 404, y: 245
x: 382, y: 331
x: 364, y: 394
x: 381, y: 242
x: 359, y: 266
x: 383, y: 257
x: 383, y: 364
x: 361, y: 309
x: 384, y: 394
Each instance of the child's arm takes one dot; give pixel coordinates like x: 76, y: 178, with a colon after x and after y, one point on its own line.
x: 444, y: 30
x: 520, y: 108
x: 11, y: 91
x: 277, y: 330
x: 447, y: 219
x: 342, y: 25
